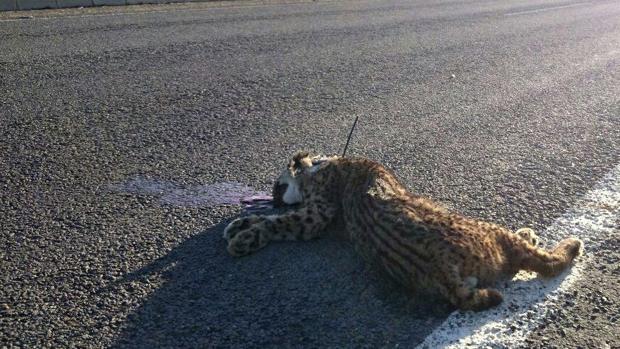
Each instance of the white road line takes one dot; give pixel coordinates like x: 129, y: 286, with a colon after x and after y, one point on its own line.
x: 544, y: 9
x: 528, y: 300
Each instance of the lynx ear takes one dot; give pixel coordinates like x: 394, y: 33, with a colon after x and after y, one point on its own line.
x: 300, y: 161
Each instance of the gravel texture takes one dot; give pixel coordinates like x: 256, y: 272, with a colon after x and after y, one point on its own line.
x: 506, y: 118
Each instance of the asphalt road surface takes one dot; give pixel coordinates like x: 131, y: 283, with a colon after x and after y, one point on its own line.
x: 124, y: 131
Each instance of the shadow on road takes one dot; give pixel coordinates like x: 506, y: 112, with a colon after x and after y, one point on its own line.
x: 317, y: 293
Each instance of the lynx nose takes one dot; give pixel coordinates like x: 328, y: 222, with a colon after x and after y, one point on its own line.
x: 278, y: 194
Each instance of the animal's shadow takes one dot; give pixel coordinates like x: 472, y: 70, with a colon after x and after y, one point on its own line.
x: 316, y: 294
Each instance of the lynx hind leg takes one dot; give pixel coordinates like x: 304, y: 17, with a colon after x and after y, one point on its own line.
x: 528, y: 235
x: 550, y: 263
x: 463, y: 293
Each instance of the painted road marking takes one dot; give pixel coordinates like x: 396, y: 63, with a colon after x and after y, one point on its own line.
x: 528, y: 300
x: 544, y: 9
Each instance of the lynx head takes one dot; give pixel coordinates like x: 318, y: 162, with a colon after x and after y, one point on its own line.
x: 287, y: 189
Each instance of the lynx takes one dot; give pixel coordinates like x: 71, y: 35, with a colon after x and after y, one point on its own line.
x: 413, y: 239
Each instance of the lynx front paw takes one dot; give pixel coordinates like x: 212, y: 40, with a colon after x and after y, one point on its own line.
x: 240, y: 224
x: 247, y: 241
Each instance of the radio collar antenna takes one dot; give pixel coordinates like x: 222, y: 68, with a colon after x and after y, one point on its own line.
x: 344, y: 152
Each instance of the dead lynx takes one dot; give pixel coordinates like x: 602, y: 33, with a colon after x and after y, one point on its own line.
x: 412, y: 238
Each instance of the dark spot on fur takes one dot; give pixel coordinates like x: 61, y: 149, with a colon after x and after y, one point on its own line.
x: 255, y: 241
x: 323, y: 216
x: 244, y: 224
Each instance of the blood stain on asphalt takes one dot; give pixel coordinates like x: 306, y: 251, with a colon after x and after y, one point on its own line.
x: 170, y: 193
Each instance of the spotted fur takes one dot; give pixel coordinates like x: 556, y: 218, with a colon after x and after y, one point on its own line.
x: 413, y: 239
